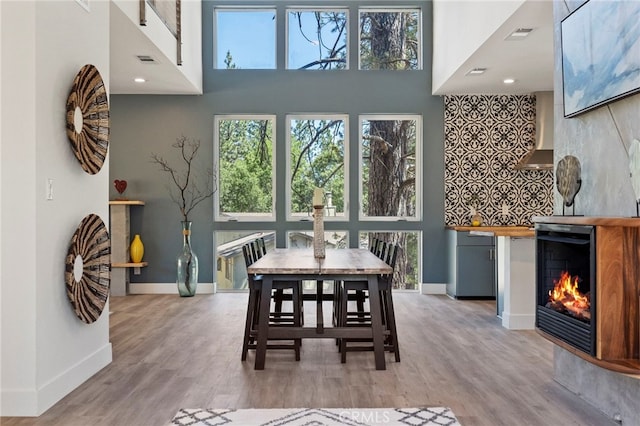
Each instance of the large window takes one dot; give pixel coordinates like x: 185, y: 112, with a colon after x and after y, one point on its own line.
x: 238, y: 48
x: 290, y: 44
x: 390, y: 167
x: 231, y: 269
x: 317, y: 39
x: 317, y: 157
x: 243, y: 146
x: 405, y: 273
x: 304, y: 239
x: 390, y: 39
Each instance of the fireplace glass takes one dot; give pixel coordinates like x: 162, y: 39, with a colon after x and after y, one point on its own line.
x: 565, y: 262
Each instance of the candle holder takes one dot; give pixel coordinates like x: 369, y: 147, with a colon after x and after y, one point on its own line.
x: 318, y: 232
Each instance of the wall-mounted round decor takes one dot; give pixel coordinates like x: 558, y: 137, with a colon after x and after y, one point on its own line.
x: 568, y: 180
x: 88, y: 119
x: 88, y: 268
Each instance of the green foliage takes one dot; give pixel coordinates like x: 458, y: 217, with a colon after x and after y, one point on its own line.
x: 389, y: 40
x: 228, y: 61
x: 317, y: 160
x: 245, y: 166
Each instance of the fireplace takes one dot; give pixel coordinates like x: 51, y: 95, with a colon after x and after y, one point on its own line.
x: 604, y: 253
x: 566, y: 284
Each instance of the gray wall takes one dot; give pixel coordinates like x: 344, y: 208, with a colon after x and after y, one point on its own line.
x: 142, y: 125
x: 600, y: 139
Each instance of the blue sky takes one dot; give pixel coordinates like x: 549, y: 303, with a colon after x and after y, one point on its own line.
x: 250, y: 37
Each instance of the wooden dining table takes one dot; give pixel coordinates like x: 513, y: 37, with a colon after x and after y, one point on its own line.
x: 337, y: 265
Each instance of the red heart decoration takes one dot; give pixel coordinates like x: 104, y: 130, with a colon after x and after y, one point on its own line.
x: 120, y: 185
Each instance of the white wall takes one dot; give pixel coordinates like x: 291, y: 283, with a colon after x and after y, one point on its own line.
x: 158, y: 34
x: 46, y: 350
x: 460, y: 27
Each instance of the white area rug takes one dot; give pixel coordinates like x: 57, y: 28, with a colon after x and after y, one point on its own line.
x: 433, y: 416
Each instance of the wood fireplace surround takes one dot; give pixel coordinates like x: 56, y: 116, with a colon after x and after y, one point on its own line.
x: 618, y: 292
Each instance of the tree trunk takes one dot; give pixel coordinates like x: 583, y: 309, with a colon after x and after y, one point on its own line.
x: 388, y: 195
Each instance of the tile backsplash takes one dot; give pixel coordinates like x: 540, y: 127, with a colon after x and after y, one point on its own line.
x: 485, y: 137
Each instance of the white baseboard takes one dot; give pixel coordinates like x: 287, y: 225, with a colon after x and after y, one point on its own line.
x: 518, y: 321
x: 168, y: 288
x: 19, y: 403
x: 32, y: 403
x: 433, y: 288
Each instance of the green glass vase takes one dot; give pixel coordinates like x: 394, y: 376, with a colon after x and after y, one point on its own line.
x: 187, y: 264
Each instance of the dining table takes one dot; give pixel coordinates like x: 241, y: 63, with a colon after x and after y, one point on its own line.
x: 338, y: 265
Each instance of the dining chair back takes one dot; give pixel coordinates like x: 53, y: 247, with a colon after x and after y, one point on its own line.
x: 360, y: 317
x: 252, y: 252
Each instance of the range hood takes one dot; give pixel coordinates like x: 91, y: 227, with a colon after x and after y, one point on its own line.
x: 541, y: 156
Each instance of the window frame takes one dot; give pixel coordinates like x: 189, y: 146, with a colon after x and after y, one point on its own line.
x: 229, y: 8
x: 294, y: 9
x: 216, y: 161
x: 418, y: 118
x: 288, y: 198
x: 391, y: 9
x: 419, y: 248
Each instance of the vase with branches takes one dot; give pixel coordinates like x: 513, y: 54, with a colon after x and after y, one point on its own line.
x: 187, y: 188
x: 474, y: 202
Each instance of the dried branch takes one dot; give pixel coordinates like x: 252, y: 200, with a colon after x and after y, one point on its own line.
x: 190, y: 189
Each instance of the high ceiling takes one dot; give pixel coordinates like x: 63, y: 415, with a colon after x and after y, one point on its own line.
x: 529, y: 61
x: 127, y: 43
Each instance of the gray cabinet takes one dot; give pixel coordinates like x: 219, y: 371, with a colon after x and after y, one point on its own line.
x: 472, y: 271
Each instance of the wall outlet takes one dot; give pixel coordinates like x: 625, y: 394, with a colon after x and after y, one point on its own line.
x: 505, y: 209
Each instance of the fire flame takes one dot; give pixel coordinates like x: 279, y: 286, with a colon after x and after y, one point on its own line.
x: 566, y: 293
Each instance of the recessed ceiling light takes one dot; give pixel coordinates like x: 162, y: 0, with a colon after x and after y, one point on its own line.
x: 139, y: 80
x: 476, y: 71
x: 509, y: 81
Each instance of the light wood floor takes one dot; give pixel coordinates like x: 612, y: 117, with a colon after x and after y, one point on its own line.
x: 171, y: 353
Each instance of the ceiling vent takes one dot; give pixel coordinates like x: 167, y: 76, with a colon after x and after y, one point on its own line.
x: 519, y: 34
x: 476, y: 71
x: 146, y: 59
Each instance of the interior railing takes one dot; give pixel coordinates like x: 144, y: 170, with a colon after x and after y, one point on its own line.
x: 169, y: 12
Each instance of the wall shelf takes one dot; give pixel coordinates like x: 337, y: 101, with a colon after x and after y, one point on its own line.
x: 126, y: 203
x: 130, y: 265
x: 121, y: 264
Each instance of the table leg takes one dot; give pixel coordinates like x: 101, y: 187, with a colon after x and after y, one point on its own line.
x: 263, y: 322
x: 319, y: 312
x: 376, y: 322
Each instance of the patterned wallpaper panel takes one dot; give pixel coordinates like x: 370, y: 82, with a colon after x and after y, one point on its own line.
x: 485, y: 137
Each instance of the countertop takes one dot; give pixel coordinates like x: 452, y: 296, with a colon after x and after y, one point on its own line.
x: 497, y: 231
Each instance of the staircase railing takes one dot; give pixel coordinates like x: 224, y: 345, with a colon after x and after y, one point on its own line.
x: 169, y: 12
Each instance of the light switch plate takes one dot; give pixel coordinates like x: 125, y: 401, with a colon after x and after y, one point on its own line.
x: 49, y: 189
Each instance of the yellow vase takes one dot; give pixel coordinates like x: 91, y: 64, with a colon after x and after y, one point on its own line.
x: 136, y: 249
x: 476, y: 219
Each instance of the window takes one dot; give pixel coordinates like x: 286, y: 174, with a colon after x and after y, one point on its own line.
x: 317, y: 39
x: 390, y: 39
x: 317, y: 157
x: 238, y: 48
x: 389, y: 168
x: 243, y: 147
x: 232, y: 270
x: 405, y: 273
x: 304, y: 239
